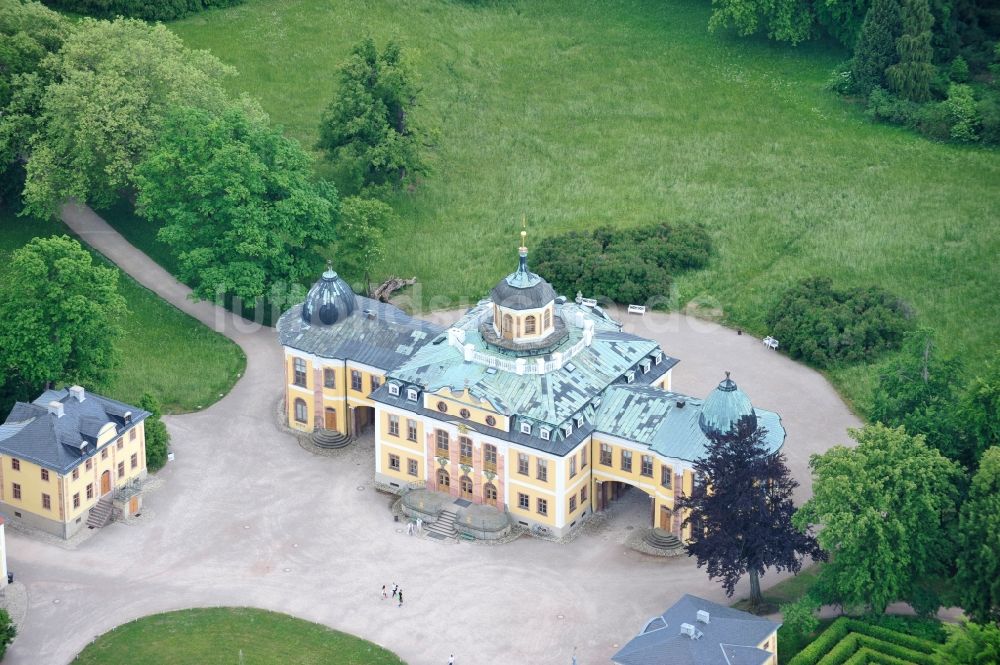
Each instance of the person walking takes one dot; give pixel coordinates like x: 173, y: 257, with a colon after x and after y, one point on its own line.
x: 400, y: 598
x: 384, y: 593
x: 395, y: 590
x: 451, y: 659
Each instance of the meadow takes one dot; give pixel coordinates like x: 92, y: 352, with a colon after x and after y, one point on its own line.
x: 165, y: 352
x: 623, y: 112
x: 230, y: 635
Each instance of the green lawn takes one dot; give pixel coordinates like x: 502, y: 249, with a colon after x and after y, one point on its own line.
x: 165, y: 352
x: 230, y: 636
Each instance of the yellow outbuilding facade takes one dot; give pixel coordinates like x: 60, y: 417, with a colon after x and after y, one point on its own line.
x: 539, y: 406
x: 71, y: 459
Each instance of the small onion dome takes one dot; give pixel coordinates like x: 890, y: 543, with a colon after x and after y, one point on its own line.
x: 522, y: 289
x: 330, y: 300
x: 727, y: 408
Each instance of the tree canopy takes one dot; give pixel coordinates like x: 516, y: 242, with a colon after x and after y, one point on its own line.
x: 111, y: 85
x: 368, y: 129
x: 741, y: 512
x: 887, y: 510
x: 60, y: 315
x: 360, y: 243
x: 978, y: 577
x: 237, y: 202
x: 791, y: 21
x: 157, y: 437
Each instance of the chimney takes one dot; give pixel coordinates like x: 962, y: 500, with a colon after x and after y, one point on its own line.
x: 687, y: 629
x: 56, y: 409
x: 702, y: 616
x: 78, y: 393
x: 681, y: 403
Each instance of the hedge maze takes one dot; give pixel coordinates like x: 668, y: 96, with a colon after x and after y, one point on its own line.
x: 852, y: 642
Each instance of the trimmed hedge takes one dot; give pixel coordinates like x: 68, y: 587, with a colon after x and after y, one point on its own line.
x: 838, y: 644
x: 866, y: 656
x: 151, y: 10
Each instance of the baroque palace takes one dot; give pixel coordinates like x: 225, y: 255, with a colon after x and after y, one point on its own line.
x: 539, y: 406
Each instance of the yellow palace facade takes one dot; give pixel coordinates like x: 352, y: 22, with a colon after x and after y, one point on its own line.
x: 539, y: 406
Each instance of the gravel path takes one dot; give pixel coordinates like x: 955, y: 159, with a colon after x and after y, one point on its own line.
x: 247, y: 517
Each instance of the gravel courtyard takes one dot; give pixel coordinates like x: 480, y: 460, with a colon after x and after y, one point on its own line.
x: 245, y: 516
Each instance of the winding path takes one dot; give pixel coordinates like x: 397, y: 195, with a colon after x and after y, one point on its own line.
x: 247, y: 517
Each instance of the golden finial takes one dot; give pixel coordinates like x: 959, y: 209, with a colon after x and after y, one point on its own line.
x: 524, y: 233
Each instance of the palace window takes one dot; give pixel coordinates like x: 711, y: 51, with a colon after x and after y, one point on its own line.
x: 135, y: 460
x: 489, y: 457
x: 442, y: 440
x: 658, y: 358
x: 329, y: 378
x: 300, y: 372
x: 411, y: 429
x: 646, y: 365
x: 121, y: 469
x: 45, y: 475
x: 411, y: 466
x: 583, y: 494
x: 525, y: 428
x: 376, y: 383
x: 568, y: 429
x: 76, y: 473
x: 17, y: 490
x: 131, y: 434
x: 627, y: 460
x: 104, y: 453
x: 523, y: 501
x: 46, y: 502
x: 355, y: 380
x: 545, y: 433
x: 507, y: 328
x: 393, y: 425
x: 90, y: 490
x: 490, y: 493
x: 547, y: 319
x: 605, y: 454
x: 542, y: 470
x: 543, y: 506
x: 301, y: 412
x: 491, y: 421
x: 411, y: 394
x: 529, y: 325
x: 393, y: 389
x: 629, y: 377
x: 90, y: 464
x: 465, y: 450
x: 572, y: 466
x: 465, y: 414
x: 76, y: 500
x: 522, y: 464
x: 583, y: 456
x: 444, y: 480
x: 120, y: 444
x: 572, y: 504
x: 394, y: 462
x: 647, y: 466
x: 666, y: 476
x: 15, y: 464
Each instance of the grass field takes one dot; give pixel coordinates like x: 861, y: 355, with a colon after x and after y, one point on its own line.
x: 167, y: 353
x: 230, y: 635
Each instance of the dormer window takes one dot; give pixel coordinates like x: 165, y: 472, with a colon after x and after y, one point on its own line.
x: 545, y: 433
x: 525, y: 428
x: 411, y: 394
x: 579, y: 420
x: 629, y: 377
x: 568, y: 429
x: 646, y: 364
x: 394, y: 389
x: 657, y: 358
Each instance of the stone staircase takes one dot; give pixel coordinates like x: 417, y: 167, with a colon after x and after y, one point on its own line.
x: 329, y: 438
x: 101, y: 513
x: 444, y: 526
x: 662, y: 540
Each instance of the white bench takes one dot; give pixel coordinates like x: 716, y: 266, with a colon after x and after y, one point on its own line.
x: 770, y: 343
x: 637, y: 309
x: 588, y: 302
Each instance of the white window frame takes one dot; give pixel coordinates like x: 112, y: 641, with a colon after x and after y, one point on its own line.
x: 411, y: 394
x: 544, y: 433
x: 393, y: 389
x: 525, y: 428
x: 629, y: 376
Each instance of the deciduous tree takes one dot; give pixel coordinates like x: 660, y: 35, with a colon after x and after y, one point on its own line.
x: 60, y: 315
x: 887, y: 510
x: 741, y: 513
x: 360, y: 244
x: 368, y: 129
x: 978, y: 578
x: 157, y: 437
x: 237, y: 203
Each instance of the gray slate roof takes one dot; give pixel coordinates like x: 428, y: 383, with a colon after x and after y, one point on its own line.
x: 373, y: 333
x: 522, y: 289
x: 729, y: 638
x: 59, y: 444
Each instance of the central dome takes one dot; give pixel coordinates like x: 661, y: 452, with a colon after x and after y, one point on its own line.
x: 330, y: 300
x: 522, y: 289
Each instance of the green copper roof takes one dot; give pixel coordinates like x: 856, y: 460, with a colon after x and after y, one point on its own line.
x: 725, y: 408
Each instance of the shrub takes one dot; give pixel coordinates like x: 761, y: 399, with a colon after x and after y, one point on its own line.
x: 823, y: 325
x: 961, y: 109
x: 929, y: 630
x: 813, y: 653
x: 157, y: 437
x: 151, y: 10
x: 625, y: 265
x: 841, y: 643
x: 8, y: 631
x: 974, y: 645
x: 959, y: 70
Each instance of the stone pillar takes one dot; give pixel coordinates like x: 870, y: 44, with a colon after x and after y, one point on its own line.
x: 453, y: 468
x: 677, y: 518
x: 477, y: 473
x: 432, y: 465
x: 501, y: 500
x: 318, y: 413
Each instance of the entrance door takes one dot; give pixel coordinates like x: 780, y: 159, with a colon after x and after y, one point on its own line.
x: 105, y: 482
x: 443, y: 479
x: 665, y: 518
x: 466, y: 484
x: 331, y: 419
x: 133, y: 505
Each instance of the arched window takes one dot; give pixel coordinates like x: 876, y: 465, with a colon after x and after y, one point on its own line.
x: 444, y: 480
x: 301, y: 412
x: 490, y: 493
x: 548, y: 320
x: 329, y: 378
x: 465, y: 483
x: 508, y: 325
x: 529, y: 325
